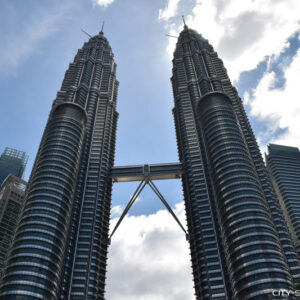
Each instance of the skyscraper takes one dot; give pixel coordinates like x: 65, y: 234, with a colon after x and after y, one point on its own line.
x: 11, y: 202
x: 283, y: 163
x: 60, y: 247
x: 12, y: 161
x: 240, y: 246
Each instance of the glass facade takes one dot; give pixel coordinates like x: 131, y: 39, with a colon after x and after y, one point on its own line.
x: 11, y: 202
x: 240, y: 246
x: 283, y: 163
x: 60, y: 247
x: 12, y: 161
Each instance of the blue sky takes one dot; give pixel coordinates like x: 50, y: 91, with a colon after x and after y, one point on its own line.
x: 259, y: 44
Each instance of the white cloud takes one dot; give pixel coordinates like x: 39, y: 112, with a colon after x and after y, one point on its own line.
x: 149, y: 259
x: 116, y: 211
x: 170, y: 11
x: 279, y: 108
x: 103, y: 3
x: 17, y: 46
x: 243, y: 32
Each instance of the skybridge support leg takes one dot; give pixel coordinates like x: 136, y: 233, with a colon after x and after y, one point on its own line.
x: 160, y: 196
x: 130, y: 203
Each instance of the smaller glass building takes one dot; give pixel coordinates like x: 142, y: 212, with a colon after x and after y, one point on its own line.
x: 12, y: 161
x: 11, y: 203
x: 283, y: 164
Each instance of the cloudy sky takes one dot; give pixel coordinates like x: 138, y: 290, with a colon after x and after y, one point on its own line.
x: 259, y: 44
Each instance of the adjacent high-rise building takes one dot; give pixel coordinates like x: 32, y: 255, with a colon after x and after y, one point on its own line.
x: 11, y: 203
x: 60, y: 247
x: 12, y: 161
x: 283, y: 163
x: 240, y: 246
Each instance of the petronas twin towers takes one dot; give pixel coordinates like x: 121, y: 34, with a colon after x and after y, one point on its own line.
x: 239, y: 243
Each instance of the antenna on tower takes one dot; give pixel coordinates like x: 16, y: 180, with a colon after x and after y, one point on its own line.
x: 173, y: 36
x: 86, y: 33
x: 185, y: 26
x: 102, y: 27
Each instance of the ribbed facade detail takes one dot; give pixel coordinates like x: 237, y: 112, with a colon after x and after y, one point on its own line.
x: 228, y: 195
x: 36, y: 258
x: 283, y: 163
x: 60, y: 248
x: 246, y: 225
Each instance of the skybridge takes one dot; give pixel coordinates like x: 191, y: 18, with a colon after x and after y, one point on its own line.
x: 153, y: 172
x: 146, y: 174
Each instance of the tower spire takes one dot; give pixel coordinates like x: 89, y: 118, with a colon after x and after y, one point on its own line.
x: 185, y: 26
x: 101, y: 32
